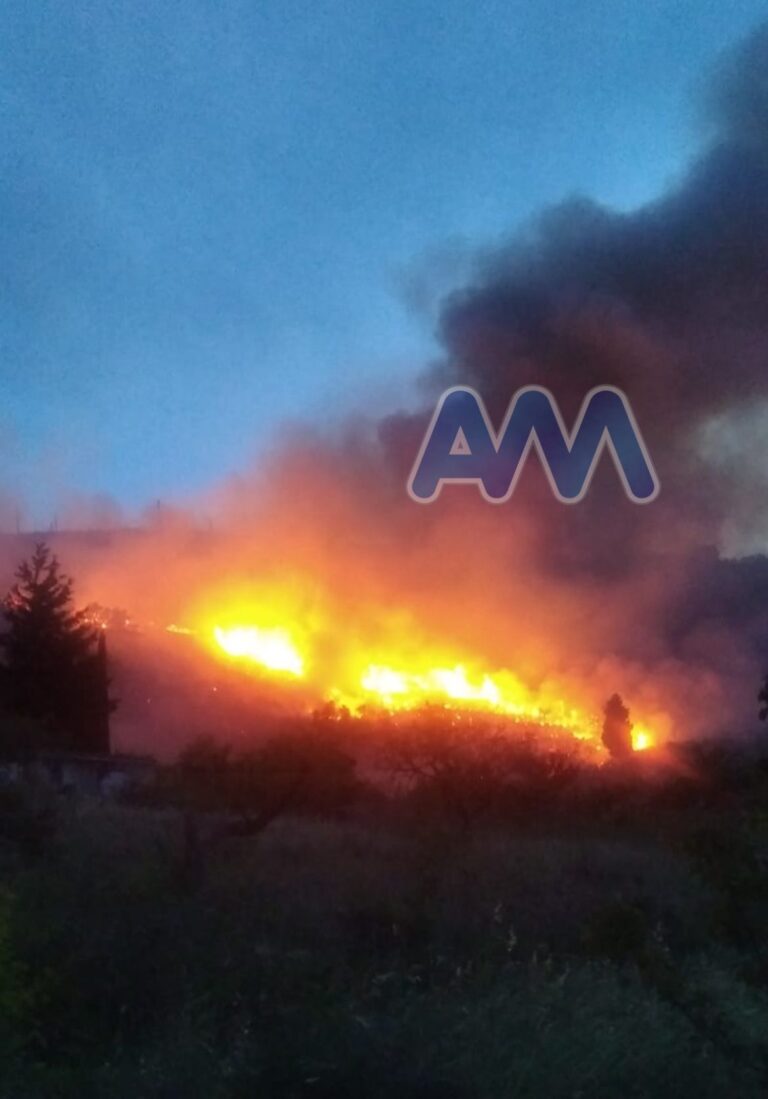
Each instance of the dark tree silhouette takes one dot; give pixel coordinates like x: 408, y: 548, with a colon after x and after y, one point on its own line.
x: 762, y: 698
x: 54, y: 662
x: 299, y: 770
x: 472, y: 769
x: 617, y: 728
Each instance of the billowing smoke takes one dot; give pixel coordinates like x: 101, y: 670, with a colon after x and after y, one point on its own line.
x: 669, y: 303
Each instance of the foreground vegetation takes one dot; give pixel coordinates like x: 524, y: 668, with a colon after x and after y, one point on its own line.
x: 388, y: 949
x: 430, y: 905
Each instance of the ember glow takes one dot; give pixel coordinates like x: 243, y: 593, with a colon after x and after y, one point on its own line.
x: 641, y: 739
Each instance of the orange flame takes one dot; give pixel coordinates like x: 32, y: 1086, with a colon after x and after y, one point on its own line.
x: 388, y: 685
x: 271, y: 648
x: 287, y: 631
x: 641, y: 739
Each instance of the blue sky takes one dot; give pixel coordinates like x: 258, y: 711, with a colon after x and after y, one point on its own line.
x: 210, y: 213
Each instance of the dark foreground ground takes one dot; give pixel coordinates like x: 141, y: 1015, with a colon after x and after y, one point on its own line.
x: 364, y: 959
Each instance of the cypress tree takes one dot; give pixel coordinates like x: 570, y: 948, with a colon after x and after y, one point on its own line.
x: 54, y: 662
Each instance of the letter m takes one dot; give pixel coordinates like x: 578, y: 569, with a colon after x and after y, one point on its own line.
x: 460, y: 446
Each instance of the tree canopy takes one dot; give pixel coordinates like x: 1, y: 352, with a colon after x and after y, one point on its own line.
x: 617, y: 728
x: 54, y: 663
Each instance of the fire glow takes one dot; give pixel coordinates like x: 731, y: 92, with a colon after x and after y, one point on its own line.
x: 272, y: 649
x: 397, y: 689
x: 371, y: 683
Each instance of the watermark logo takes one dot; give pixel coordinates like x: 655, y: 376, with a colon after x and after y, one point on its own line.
x: 461, y: 447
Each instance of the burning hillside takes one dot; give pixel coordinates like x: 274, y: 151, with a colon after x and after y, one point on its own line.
x: 408, y: 682
x: 315, y: 578
x: 301, y: 665
x: 261, y: 644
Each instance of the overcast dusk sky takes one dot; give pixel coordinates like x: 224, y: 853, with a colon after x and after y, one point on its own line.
x: 212, y: 214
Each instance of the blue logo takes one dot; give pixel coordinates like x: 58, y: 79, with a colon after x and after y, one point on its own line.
x: 460, y: 446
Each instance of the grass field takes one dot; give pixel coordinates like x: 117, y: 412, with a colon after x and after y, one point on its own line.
x: 385, y: 957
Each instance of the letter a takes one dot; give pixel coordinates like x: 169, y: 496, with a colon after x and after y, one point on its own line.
x: 458, y: 446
